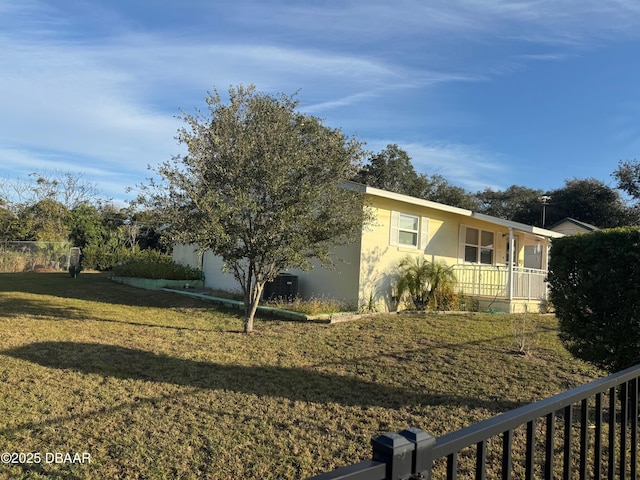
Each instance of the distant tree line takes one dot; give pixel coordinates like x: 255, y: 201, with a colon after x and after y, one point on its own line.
x: 65, y: 207
x: 588, y: 200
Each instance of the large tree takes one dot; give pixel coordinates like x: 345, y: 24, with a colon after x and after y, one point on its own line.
x: 391, y: 169
x: 588, y: 200
x: 86, y: 225
x: 45, y: 205
x: 260, y: 186
x: 585, y: 199
x: 7, y: 220
x: 47, y: 221
x: 627, y: 176
x: 517, y: 203
x: 438, y: 189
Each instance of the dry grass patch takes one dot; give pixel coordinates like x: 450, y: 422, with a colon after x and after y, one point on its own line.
x: 158, y: 385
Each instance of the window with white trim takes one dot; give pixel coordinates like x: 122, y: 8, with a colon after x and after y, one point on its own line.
x: 408, y: 230
x: 479, y: 246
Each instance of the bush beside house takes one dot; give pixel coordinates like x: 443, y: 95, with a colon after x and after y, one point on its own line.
x: 428, y: 284
x: 595, y: 289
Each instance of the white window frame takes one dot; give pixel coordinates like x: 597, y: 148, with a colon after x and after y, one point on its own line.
x: 479, y: 246
x: 421, y: 233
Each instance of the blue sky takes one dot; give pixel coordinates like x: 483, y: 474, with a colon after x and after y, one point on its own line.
x: 487, y: 93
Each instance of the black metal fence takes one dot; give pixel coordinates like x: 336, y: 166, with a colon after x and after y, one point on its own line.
x: 590, y: 432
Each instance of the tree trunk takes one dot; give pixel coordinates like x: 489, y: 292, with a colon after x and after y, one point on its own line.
x: 251, y: 301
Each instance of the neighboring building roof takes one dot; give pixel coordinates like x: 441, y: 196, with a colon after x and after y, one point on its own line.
x: 448, y: 208
x: 586, y: 226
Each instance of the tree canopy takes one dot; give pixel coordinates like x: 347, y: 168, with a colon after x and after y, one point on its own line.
x: 260, y: 186
x: 628, y: 177
x: 517, y: 203
x: 588, y: 200
x: 391, y: 169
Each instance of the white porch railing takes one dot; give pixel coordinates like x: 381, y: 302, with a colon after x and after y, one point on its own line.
x: 493, y: 281
x: 530, y: 283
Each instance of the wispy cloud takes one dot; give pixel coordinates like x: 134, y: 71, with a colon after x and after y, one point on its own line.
x: 557, y: 20
x: 339, y: 102
x: 98, y: 84
x: 96, y: 100
x: 468, y: 166
x: 546, y: 57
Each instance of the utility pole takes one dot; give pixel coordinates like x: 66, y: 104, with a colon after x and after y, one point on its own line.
x: 545, y: 201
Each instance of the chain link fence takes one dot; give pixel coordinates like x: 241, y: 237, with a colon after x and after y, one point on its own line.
x: 34, y: 256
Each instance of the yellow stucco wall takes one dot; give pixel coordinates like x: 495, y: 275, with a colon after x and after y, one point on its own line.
x: 379, y: 258
x: 339, y: 282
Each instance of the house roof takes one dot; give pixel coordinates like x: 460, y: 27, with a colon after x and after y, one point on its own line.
x: 448, y: 208
x: 578, y: 223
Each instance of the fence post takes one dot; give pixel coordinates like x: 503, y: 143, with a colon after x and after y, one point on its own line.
x: 423, y: 451
x: 396, y: 452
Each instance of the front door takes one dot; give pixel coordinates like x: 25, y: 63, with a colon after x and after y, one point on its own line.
x: 533, y: 256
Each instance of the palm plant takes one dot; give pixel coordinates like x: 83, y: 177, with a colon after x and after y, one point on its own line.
x: 423, y: 280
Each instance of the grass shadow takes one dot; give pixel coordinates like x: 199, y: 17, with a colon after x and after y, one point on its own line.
x: 292, y: 383
x: 94, y: 287
x: 36, y: 308
x: 43, y: 309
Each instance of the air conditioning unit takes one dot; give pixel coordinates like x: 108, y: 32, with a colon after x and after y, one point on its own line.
x: 284, y: 286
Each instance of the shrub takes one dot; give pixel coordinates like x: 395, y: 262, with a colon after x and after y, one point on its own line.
x: 152, y: 264
x: 467, y: 303
x: 595, y: 289
x: 312, y: 306
x: 369, y: 304
x: 425, y: 282
x: 104, y: 256
x: 32, y: 256
x: 11, y: 262
x: 445, y: 299
x: 525, y: 331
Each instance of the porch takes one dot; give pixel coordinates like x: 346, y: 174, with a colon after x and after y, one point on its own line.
x: 503, y: 288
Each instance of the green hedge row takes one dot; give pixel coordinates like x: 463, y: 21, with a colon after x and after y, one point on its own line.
x: 595, y: 289
x: 151, y: 264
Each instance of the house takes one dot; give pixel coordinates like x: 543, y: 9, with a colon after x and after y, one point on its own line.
x: 571, y: 226
x: 478, y: 247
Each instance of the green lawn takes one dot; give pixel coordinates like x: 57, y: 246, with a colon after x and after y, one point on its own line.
x: 158, y: 385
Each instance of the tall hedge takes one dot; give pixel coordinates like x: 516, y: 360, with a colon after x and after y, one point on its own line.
x: 595, y: 288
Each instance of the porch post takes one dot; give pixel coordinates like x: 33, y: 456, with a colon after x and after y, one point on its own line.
x: 512, y: 258
x: 547, y: 247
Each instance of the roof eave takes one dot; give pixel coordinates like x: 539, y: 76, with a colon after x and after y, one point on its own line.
x: 365, y: 189
x: 523, y: 227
